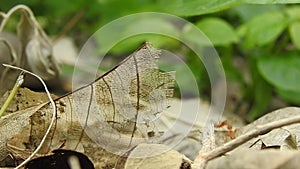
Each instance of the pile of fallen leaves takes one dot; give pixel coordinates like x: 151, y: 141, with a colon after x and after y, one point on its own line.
x: 117, y: 121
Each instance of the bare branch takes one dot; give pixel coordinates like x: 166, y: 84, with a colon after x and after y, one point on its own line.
x: 203, y: 158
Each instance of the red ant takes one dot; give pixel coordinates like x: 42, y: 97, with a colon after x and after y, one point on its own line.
x: 231, y: 133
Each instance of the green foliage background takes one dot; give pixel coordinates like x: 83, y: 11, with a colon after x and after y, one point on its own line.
x: 263, y: 33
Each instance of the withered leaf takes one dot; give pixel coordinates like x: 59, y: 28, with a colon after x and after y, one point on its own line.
x: 114, y: 113
x: 32, y: 49
x: 149, y: 158
x: 10, y: 52
x: 249, y: 159
x: 37, y: 46
x: 276, y: 137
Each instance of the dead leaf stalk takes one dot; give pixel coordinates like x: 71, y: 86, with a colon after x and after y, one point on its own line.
x: 7, y: 15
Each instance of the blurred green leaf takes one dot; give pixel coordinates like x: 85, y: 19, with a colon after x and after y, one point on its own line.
x: 198, y: 7
x: 282, y: 72
x: 291, y: 96
x: 293, y: 13
x: 190, y: 34
x: 270, y: 1
x: 294, y: 30
x: 262, y: 92
x: 248, y: 11
x: 231, y: 71
x: 131, y: 43
x: 113, y: 9
x: 263, y: 29
x: 218, y: 31
x: 65, y: 7
x: 135, y: 30
x: 262, y: 96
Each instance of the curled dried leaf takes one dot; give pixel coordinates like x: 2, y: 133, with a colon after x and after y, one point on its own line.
x: 38, y: 48
x: 31, y: 50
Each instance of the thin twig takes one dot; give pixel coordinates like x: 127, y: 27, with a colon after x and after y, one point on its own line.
x: 52, y: 120
x: 259, y: 130
x: 74, y: 20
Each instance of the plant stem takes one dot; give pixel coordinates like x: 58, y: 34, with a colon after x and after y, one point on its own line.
x: 12, y: 94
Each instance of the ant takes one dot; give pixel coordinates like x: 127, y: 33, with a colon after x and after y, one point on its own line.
x: 231, y: 133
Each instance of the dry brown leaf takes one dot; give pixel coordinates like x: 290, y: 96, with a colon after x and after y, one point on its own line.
x: 149, y: 157
x: 186, y: 125
x: 13, y: 124
x: 118, y: 111
x: 276, y: 137
x: 25, y: 98
x: 249, y: 159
